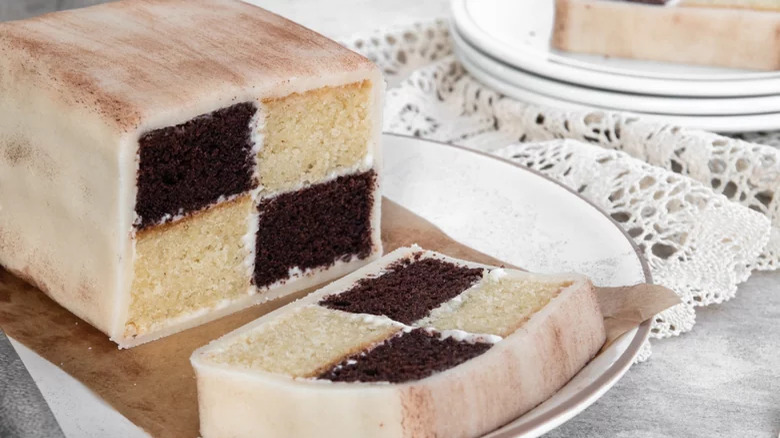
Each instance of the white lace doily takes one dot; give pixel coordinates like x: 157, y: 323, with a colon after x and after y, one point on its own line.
x: 705, y: 209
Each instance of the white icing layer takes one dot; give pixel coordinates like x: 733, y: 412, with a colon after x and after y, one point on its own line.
x: 496, y: 274
x: 471, y: 338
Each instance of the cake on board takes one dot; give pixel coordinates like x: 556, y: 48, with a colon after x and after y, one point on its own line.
x: 416, y: 344
x: 167, y: 162
x: 743, y: 34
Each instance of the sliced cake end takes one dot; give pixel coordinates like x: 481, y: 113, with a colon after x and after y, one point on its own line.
x: 416, y: 344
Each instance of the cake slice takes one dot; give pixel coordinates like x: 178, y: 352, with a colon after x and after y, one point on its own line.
x: 768, y: 5
x: 167, y: 162
x: 414, y: 345
x: 727, y: 33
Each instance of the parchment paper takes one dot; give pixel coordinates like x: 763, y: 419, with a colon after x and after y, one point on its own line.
x: 153, y: 385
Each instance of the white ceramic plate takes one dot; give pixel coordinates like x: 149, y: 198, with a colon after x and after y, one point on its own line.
x: 490, y: 204
x: 518, y: 33
x: 722, y: 124
x: 662, y: 105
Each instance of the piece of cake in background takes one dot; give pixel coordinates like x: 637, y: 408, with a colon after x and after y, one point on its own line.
x: 416, y: 344
x: 167, y: 162
x: 767, y: 5
x: 725, y: 33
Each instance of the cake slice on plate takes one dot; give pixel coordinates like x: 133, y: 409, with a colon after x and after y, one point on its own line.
x: 166, y: 162
x: 414, y: 345
x: 728, y: 33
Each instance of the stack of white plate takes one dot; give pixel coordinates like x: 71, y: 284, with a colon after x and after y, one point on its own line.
x: 506, y: 45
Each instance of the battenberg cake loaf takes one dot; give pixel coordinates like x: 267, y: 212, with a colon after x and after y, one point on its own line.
x: 167, y: 162
x: 416, y: 344
x: 728, y: 33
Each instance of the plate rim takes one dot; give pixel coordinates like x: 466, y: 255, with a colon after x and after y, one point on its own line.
x: 590, y: 393
x: 505, y: 72
x: 713, y: 123
x: 547, y: 63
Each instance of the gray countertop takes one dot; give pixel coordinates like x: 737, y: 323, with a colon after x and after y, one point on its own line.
x: 721, y: 379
